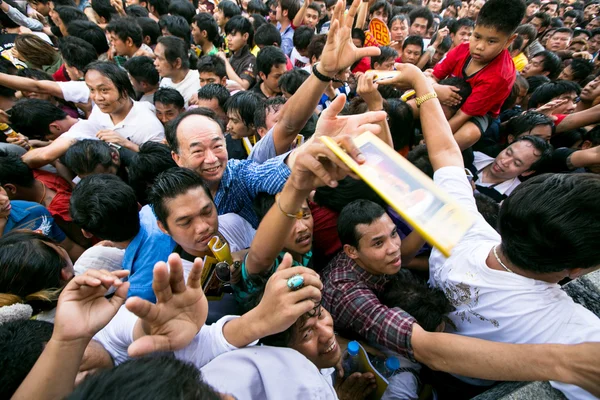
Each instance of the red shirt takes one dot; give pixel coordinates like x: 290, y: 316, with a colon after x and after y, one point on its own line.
x: 490, y: 86
x: 326, y: 240
x: 60, y: 203
x: 363, y: 65
x: 61, y: 74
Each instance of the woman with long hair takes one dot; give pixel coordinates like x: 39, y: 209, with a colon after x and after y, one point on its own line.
x: 37, y: 53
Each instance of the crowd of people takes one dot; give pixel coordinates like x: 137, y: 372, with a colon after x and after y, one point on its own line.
x: 172, y: 225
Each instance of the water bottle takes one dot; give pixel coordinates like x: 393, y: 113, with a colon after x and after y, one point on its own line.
x: 350, y: 360
x: 392, y: 364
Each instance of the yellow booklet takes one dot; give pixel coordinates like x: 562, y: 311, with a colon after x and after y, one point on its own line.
x: 364, y: 365
x: 432, y: 212
x: 211, y: 284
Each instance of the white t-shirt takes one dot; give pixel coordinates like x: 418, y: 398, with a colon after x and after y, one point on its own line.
x: 187, y: 87
x: 139, y: 126
x: 298, y: 60
x: 499, y: 305
x: 206, y: 345
x: 480, y: 162
x: 75, y: 91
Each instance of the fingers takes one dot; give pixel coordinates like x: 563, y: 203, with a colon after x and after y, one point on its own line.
x: 148, y: 344
x: 160, y: 282
x: 195, y: 277
x: 336, y: 106
x: 176, y: 280
x: 348, y: 144
x: 306, y: 293
x: 352, y: 13
x: 120, y: 295
x: 105, y: 278
x: 286, y: 263
x: 142, y: 308
x: 289, y: 272
x: 367, y: 52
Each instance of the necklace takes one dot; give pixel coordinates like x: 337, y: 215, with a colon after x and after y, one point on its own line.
x: 43, y: 195
x: 500, y: 261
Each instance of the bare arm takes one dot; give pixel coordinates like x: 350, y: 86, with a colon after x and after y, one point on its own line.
x: 231, y: 74
x: 577, y: 120
x: 584, y: 158
x: 361, y: 19
x: 39, y: 157
x: 31, y: 85
x: 299, y: 18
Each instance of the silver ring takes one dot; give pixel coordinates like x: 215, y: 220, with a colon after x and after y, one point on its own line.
x: 295, y: 282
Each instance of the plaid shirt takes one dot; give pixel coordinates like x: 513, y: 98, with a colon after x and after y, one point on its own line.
x: 244, y: 179
x: 350, y: 294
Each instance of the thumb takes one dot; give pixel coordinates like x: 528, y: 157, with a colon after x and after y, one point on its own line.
x: 455, y: 89
x: 369, y: 51
x: 286, y: 263
x: 336, y: 106
x: 148, y: 344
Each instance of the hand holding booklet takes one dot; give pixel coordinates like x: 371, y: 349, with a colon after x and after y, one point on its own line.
x: 428, y: 209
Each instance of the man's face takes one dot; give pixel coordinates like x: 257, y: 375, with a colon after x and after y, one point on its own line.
x: 164, y: 68
x: 566, y: 74
x: 593, y: 24
x: 569, y: 105
x: 311, y: 18
x: 236, y: 127
x: 202, y: 148
x: 236, y: 41
x: 118, y: 45
x: 61, y: 25
x: 207, y: 78
x: 535, y: 67
x: 197, y: 34
x: 323, y: 8
x: 272, y: 80
x: 437, y: 56
x: 213, y: 104
x: 418, y: 27
x: 537, y: 23
x: 590, y: 12
x: 378, y: 250
x: 103, y: 92
x: 279, y: 12
x: 219, y: 17
x: 474, y: 9
x: 4, y: 203
x: 576, y: 46
x: 299, y: 240
x: 559, y: 41
x: 462, y: 35
x: 411, y: 54
x: 551, y: 9
x: 386, y: 65
x: 542, y: 131
x: 486, y: 44
x: 515, y: 160
x: 591, y: 91
x: 435, y: 6
x: 43, y: 9
x: 132, y: 2
x: 315, y: 339
x: 399, y: 31
x: 192, y: 220
x: 594, y: 44
x: 381, y: 14
x: 570, y: 22
x: 531, y: 9
x: 167, y: 112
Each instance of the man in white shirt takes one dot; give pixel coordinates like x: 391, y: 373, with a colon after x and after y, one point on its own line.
x: 497, y: 178
x: 173, y: 66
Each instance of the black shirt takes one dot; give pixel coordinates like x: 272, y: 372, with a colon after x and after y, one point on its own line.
x: 244, y: 64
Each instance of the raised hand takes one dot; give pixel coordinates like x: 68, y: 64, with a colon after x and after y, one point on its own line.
x: 367, y: 90
x: 179, y: 313
x: 330, y: 124
x: 339, y: 52
x: 83, y: 310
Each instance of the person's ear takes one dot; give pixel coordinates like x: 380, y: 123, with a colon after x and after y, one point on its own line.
x: 86, y: 234
x: 55, y: 128
x: 162, y: 227
x: 246, y: 36
x: 129, y: 42
x: 11, y: 190
x: 204, y: 34
x: 116, y: 157
x: 66, y: 274
x: 176, y: 158
x: 261, y: 132
x: 147, y: 40
x: 178, y: 63
x: 262, y: 76
x: 527, y: 173
x: 351, y: 251
x: 574, y: 273
x: 510, y: 40
x: 510, y: 138
x: 224, y: 81
x: 586, y: 145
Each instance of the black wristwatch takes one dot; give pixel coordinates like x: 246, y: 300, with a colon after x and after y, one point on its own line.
x: 320, y: 76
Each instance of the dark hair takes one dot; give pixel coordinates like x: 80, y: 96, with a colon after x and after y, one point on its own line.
x: 502, y: 15
x: 170, y: 184
x: 21, y: 344
x: 303, y: 36
x: 385, y: 54
x: 421, y: 12
x: 214, y: 91
x: 581, y: 69
x: 205, y: 22
x: 36, y: 74
x: 104, y: 9
x: 419, y: 157
x: 537, y: 2
x: 356, y: 213
x: 267, y: 35
x: 552, y: 63
x: 171, y: 128
x: 529, y: 31
x: 427, y: 305
x: 402, y: 123
x: 182, y: 8
x: 544, y: 148
x: 160, y: 6
x: 488, y: 208
x: 535, y: 82
x: 106, y: 207
x: 175, y: 48
x: 257, y: 7
x: 291, y: 6
x: 146, y: 377
x: 246, y: 105
x: 414, y: 40
x: 178, y: 27
x: 463, y: 86
x: 556, y: 22
x: 116, y: 75
x: 32, y: 117
x: 579, y: 32
x: 168, y: 96
x: 77, y: 52
x: 568, y: 138
x: 212, y: 64
x: 551, y: 90
x: 347, y: 191
x: 316, y: 46
x: 142, y: 69
x: 387, y: 7
x: 69, y: 14
x: 564, y: 205
x: 126, y: 28
x: 358, y: 34
x: 546, y: 18
x: 269, y: 57
x: 229, y: 8
x: 84, y: 156
x: 31, y: 270
x: 89, y: 32
x: 455, y: 25
x: 563, y: 30
x: 262, y: 203
x: 241, y: 25
x: 13, y: 170
x: 152, y: 159
x: 150, y: 28
x: 137, y: 11
x: 258, y: 21
x: 5, y: 20
x: 524, y: 123
x: 292, y: 80
x: 574, y: 14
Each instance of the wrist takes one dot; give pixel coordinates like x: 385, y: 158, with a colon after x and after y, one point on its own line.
x: 375, y: 106
x: 69, y: 344
x: 291, y: 198
x: 319, y: 68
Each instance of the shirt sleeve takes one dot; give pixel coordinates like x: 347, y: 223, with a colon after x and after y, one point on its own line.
x: 486, y: 96
x: 389, y: 327
x: 445, y: 67
x: 118, y: 335
x: 248, y: 71
x: 75, y: 92
x: 84, y: 129
x: 268, y: 177
x: 208, y: 344
x: 454, y: 181
x: 237, y: 231
x: 264, y: 149
x: 22, y: 20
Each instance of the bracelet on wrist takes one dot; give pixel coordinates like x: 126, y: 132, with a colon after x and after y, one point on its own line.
x: 297, y: 215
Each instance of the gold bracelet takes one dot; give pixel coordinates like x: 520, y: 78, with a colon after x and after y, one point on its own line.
x: 298, y: 214
x: 422, y: 99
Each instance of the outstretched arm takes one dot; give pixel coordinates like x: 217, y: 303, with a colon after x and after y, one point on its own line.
x: 31, y: 85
